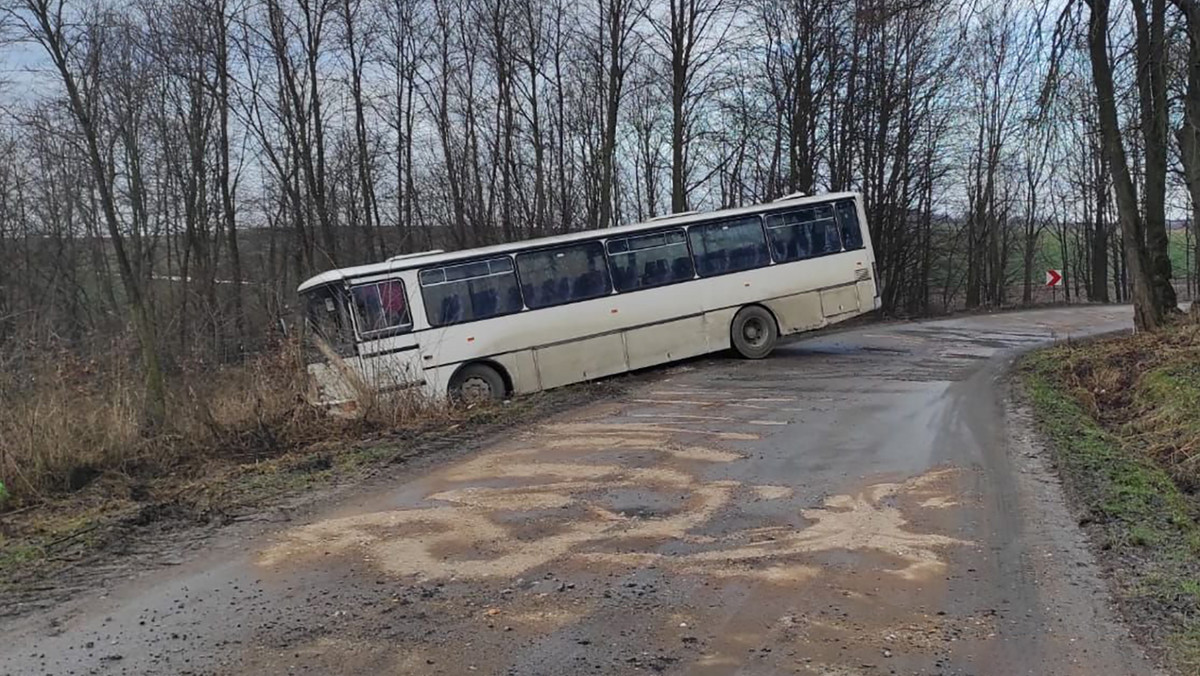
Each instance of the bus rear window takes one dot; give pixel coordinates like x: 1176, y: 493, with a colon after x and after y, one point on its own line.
x: 848, y: 220
x: 563, y: 275
x: 470, y: 291
x: 803, y: 233
x: 730, y: 246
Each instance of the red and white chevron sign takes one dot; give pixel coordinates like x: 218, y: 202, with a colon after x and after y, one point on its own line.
x: 1054, y: 278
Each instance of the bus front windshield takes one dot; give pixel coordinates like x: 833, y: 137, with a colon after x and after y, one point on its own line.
x: 328, y: 322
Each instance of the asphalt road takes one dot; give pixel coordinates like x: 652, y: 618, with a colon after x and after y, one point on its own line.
x: 864, y: 502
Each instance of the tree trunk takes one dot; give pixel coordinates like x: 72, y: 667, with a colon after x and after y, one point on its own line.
x: 363, y: 159
x: 1152, y: 87
x: 679, y: 76
x: 1188, y: 133
x: 228, y: 209
x: 1027, y: 277
x: 619, y: 24
x: 1147, y: 310
x: 1099, y: 288
x: 612, y: 98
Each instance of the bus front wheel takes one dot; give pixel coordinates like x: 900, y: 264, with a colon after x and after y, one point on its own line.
x: 754, y: 332
x: 477, y: 383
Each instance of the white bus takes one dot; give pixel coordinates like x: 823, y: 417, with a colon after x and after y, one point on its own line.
x: 514, y: 318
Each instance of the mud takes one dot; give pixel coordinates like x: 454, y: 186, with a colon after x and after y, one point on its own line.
x: 857, y: 504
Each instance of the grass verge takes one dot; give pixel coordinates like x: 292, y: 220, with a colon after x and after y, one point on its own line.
x: 1121, y: 416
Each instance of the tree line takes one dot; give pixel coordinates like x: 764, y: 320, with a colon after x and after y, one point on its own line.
x: 171, y: 169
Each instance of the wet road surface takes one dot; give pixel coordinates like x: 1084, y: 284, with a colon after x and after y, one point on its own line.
x: 863, y: 502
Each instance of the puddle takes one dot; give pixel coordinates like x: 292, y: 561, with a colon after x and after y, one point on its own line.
x: 572, y: 500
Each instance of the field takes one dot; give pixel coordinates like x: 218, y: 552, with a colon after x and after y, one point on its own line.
x: 1049, y: 255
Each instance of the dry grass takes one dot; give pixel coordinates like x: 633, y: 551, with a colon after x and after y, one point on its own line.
x: 1146, y: 389
x: 68, y: 424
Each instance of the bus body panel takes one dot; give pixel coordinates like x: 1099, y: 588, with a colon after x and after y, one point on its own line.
x: 578, y: 360
x: 839, y: 300
x: 522, y: 370
x: 668, y: 341
x: 391, y: 363
x: 328, y: 383
x: 716, y: 328
x: 866, y: 297
x: 800, y: 312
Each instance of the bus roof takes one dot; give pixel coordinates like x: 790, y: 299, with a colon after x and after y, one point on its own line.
x: 410, y: 261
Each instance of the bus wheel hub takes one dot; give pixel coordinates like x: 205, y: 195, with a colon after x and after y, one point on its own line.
x: 476, y: 389
x: 753, y: 331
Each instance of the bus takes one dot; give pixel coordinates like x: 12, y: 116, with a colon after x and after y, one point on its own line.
x: 498, y: 321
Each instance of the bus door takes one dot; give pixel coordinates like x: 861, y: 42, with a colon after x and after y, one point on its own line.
x: 389, y: 358
x: 330, y: 346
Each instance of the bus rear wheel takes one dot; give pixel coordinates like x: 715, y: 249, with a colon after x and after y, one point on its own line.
x: 754, y: 332
x: 476, y: 384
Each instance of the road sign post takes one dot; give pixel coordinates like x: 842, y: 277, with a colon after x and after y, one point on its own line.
x: 1054, y: 279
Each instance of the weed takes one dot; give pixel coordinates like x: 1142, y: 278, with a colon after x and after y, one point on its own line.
x: 13, y: 556
x: 1185, y: 646
x: 1143, y: 536
x: 1190, y: 588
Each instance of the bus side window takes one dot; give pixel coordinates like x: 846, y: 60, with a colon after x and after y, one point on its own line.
x: 563, y: 274
x: 381, y: 306
x: 803, y: 233
x: 646, y: 261
x: 470, y: 291
x: 848, y: 221
x: 730, y: 246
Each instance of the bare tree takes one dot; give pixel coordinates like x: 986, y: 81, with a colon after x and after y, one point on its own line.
x: 76, y: 40
x: 300, y: 31
x: 1036, y: 157
x: 694, y: 34
x: 358, y: 34
x: 1000, y: 54
x: 1151, y: 54
x: 403, y: 51
x: 614, y: 51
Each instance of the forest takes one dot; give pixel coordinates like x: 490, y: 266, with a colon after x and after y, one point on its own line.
x: 170, y: 170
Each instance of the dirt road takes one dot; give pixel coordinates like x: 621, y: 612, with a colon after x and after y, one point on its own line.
x: 860, y: 503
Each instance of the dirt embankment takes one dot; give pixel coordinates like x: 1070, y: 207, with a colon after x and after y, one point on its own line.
x: 1123, y: 416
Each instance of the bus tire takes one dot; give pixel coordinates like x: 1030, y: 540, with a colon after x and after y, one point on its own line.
x: 477, y: 383
x: 754, y: 332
